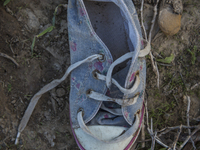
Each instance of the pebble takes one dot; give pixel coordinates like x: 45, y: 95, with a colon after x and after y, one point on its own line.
x: 33, y: 22
x: 169, y: 22
x: 60, y: 92
x: 13, y: 102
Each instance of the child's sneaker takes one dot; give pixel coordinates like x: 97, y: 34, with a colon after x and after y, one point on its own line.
x: 106, y: 112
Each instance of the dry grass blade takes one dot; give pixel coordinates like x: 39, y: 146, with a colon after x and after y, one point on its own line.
x: 8, y: 57
x: 194, y: 86
x: 168, y: 129
x: 6, y: 2
x: 188, y: 121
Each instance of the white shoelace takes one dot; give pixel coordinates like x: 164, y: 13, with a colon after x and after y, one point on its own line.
x: 92, y: 94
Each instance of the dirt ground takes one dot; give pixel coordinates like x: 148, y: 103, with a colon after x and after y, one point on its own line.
x: 49, y: 126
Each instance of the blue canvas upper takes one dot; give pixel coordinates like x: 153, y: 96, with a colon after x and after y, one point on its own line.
x: 85, y: 42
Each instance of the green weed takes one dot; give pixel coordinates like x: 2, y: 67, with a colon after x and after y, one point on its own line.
x: 193, y: 53
x: 49, y: 29
x: 6, y: 2
x: 9, y: 87
x: 28, y: 97
x: 158, y: 113
x: 35, y: 55
x: 167, y: 60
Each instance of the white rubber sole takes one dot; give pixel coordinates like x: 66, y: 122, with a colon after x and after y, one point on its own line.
x: 104, y: 133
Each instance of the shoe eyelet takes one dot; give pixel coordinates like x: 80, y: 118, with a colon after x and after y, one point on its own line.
x: 81, y: 110
x: 138, y: 112
x: 103, y: 58
x: 137, y: 94
x: 137, y: 72
x: 88, y: 91
x: 94, y: 73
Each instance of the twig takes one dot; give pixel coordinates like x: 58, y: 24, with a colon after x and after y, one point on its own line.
x: 11, y: 48
x: 197, y: 119
x: 151, y: 125
x: 151, y: 134
x: 187, y: 114
x: 142, y: 23
x: 188, y: 121
x: 153, y: 141
x: 161, y: 143
x: 168, y: 129
x: 188, y: 138
x: 153, y: 62
x: 194, y: 86
x: 154, y: 20
x: 8, y: 57
x: 175, y: 142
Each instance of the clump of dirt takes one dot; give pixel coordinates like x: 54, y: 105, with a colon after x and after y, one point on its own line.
x: 49, y: 126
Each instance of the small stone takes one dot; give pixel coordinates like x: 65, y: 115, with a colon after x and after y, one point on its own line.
x: 169, y: 22
x: 13, y: 102
x: 33, y: 22
x: 20, y: 19
x: 60, y: 92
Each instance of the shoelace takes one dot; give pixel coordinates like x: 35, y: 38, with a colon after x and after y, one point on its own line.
x: 123, y: 102
x: 91, y: 94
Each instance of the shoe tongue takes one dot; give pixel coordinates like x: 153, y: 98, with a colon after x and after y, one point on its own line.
x: 110, y: 113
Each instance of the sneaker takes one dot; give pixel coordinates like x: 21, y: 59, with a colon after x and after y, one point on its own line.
x: 108, y: 75
x: 106, y: 97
